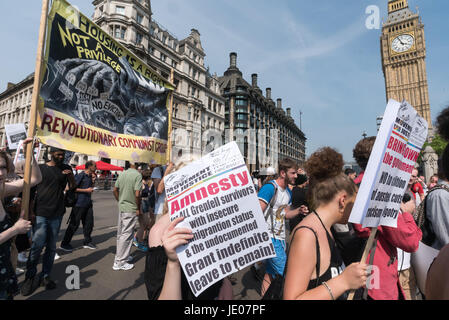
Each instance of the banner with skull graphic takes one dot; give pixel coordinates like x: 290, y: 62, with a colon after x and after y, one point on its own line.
x: 97, y: 97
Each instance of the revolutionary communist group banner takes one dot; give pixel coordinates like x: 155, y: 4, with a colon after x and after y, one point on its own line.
x: 97, y: 97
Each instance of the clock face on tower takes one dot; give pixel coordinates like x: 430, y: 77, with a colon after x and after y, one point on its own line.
x: 402, y: 43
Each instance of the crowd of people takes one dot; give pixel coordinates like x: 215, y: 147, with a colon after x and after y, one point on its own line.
x: 318, y: 252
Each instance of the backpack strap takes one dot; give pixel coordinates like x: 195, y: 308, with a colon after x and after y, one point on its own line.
x: 270, y: 207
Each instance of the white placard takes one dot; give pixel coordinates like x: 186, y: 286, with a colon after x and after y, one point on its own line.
x: 216, y: 196
x: 393, y: 158
x: 20, y: 154
x: 14, y: 134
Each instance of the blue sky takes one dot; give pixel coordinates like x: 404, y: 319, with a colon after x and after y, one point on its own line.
x: 318, y: 56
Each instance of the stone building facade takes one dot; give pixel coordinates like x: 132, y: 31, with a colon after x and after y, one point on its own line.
x: 265, y: 132
x: 201, y: 100
x: 15, y: 105
x: 197, y: 103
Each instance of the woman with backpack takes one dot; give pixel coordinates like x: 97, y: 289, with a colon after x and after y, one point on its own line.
x: 315, y: 269
x: 146, y: 219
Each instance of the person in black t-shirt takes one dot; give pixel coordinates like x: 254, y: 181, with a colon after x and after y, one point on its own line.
x: 83, y: 209
x: 299, y: 198
x: 49, y: 210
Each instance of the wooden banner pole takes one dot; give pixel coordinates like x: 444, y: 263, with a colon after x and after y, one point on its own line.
x: 368, y: 247
x: 170, y: 114
x: 33, y: 111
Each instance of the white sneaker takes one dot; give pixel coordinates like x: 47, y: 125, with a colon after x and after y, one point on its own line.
x: 57, y: 257
x: 22, y: 257
x: 125, y: 267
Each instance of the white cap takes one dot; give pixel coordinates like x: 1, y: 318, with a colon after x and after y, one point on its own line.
x: 270, y: 171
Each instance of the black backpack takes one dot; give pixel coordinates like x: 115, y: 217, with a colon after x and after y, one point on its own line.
x: 71, y: 195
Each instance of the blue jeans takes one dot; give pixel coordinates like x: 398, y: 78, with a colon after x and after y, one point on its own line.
x: 45, y: 234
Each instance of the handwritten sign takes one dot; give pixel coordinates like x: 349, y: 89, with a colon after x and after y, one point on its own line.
x: 14, y: 134
x: 217, y: 198
x: 393, y: 158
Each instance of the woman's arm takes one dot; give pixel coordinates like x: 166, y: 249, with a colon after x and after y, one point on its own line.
x: 301, y: 266
x: 13, y: 188
x: 20, y: 227
x: 171, y: 239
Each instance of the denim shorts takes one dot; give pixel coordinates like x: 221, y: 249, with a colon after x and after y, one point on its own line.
x: 276, y: 265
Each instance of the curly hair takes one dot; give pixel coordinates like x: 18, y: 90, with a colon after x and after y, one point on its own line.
x: 362, y: 151
x: 325, y: 169
x: 443, y: 124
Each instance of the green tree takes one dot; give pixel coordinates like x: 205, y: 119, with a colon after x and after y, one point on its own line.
x: 438, y: 144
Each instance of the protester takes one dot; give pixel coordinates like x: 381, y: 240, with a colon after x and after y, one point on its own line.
x: 256, y: 180
x: 83, y: 209
x: 146, y: 219
x: 313, y: 249
x: 437, y: 202
x: 437, y: 284
x: 350, y: 245
x: 361, y: 154
x: 266, y: 175
x: 49, y: 210
x: 299, y: 198
x: 8, y: 278
x: 415, y: 188
x: 127, y: 192
x: 23, y: 241
x: 158, y: 182
x: 385, y: 254
x: 351, y: 173
x: 164, y: 278
x: 8, y: 230
x: 432, y: 182
x: 422, y: 182
x: 275, y: 200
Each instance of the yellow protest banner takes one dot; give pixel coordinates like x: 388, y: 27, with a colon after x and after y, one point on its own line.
x: 97, y: 97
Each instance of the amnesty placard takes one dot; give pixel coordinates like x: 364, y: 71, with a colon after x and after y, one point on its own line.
x: 97, y: 97
x: 216, y: 196
x: 393, y: 158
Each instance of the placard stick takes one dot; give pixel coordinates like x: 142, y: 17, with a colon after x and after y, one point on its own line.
x: 170, y: 117
x: 33, y: 111
x: 368, y: 247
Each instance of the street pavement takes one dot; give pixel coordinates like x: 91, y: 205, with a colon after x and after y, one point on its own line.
x: 98, y: 281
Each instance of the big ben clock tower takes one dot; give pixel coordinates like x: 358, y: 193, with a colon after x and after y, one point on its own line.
x: 403, y: 49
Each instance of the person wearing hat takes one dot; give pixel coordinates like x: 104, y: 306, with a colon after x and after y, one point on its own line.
x: 49, y: 210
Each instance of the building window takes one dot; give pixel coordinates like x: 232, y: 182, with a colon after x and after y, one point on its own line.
x: 139, y: 38
x: 120, y: 10
x: 139, y: 18
x: 120, y: 32
x: 241, y: 102
x: 163, y: 57
x: 151, y: 50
